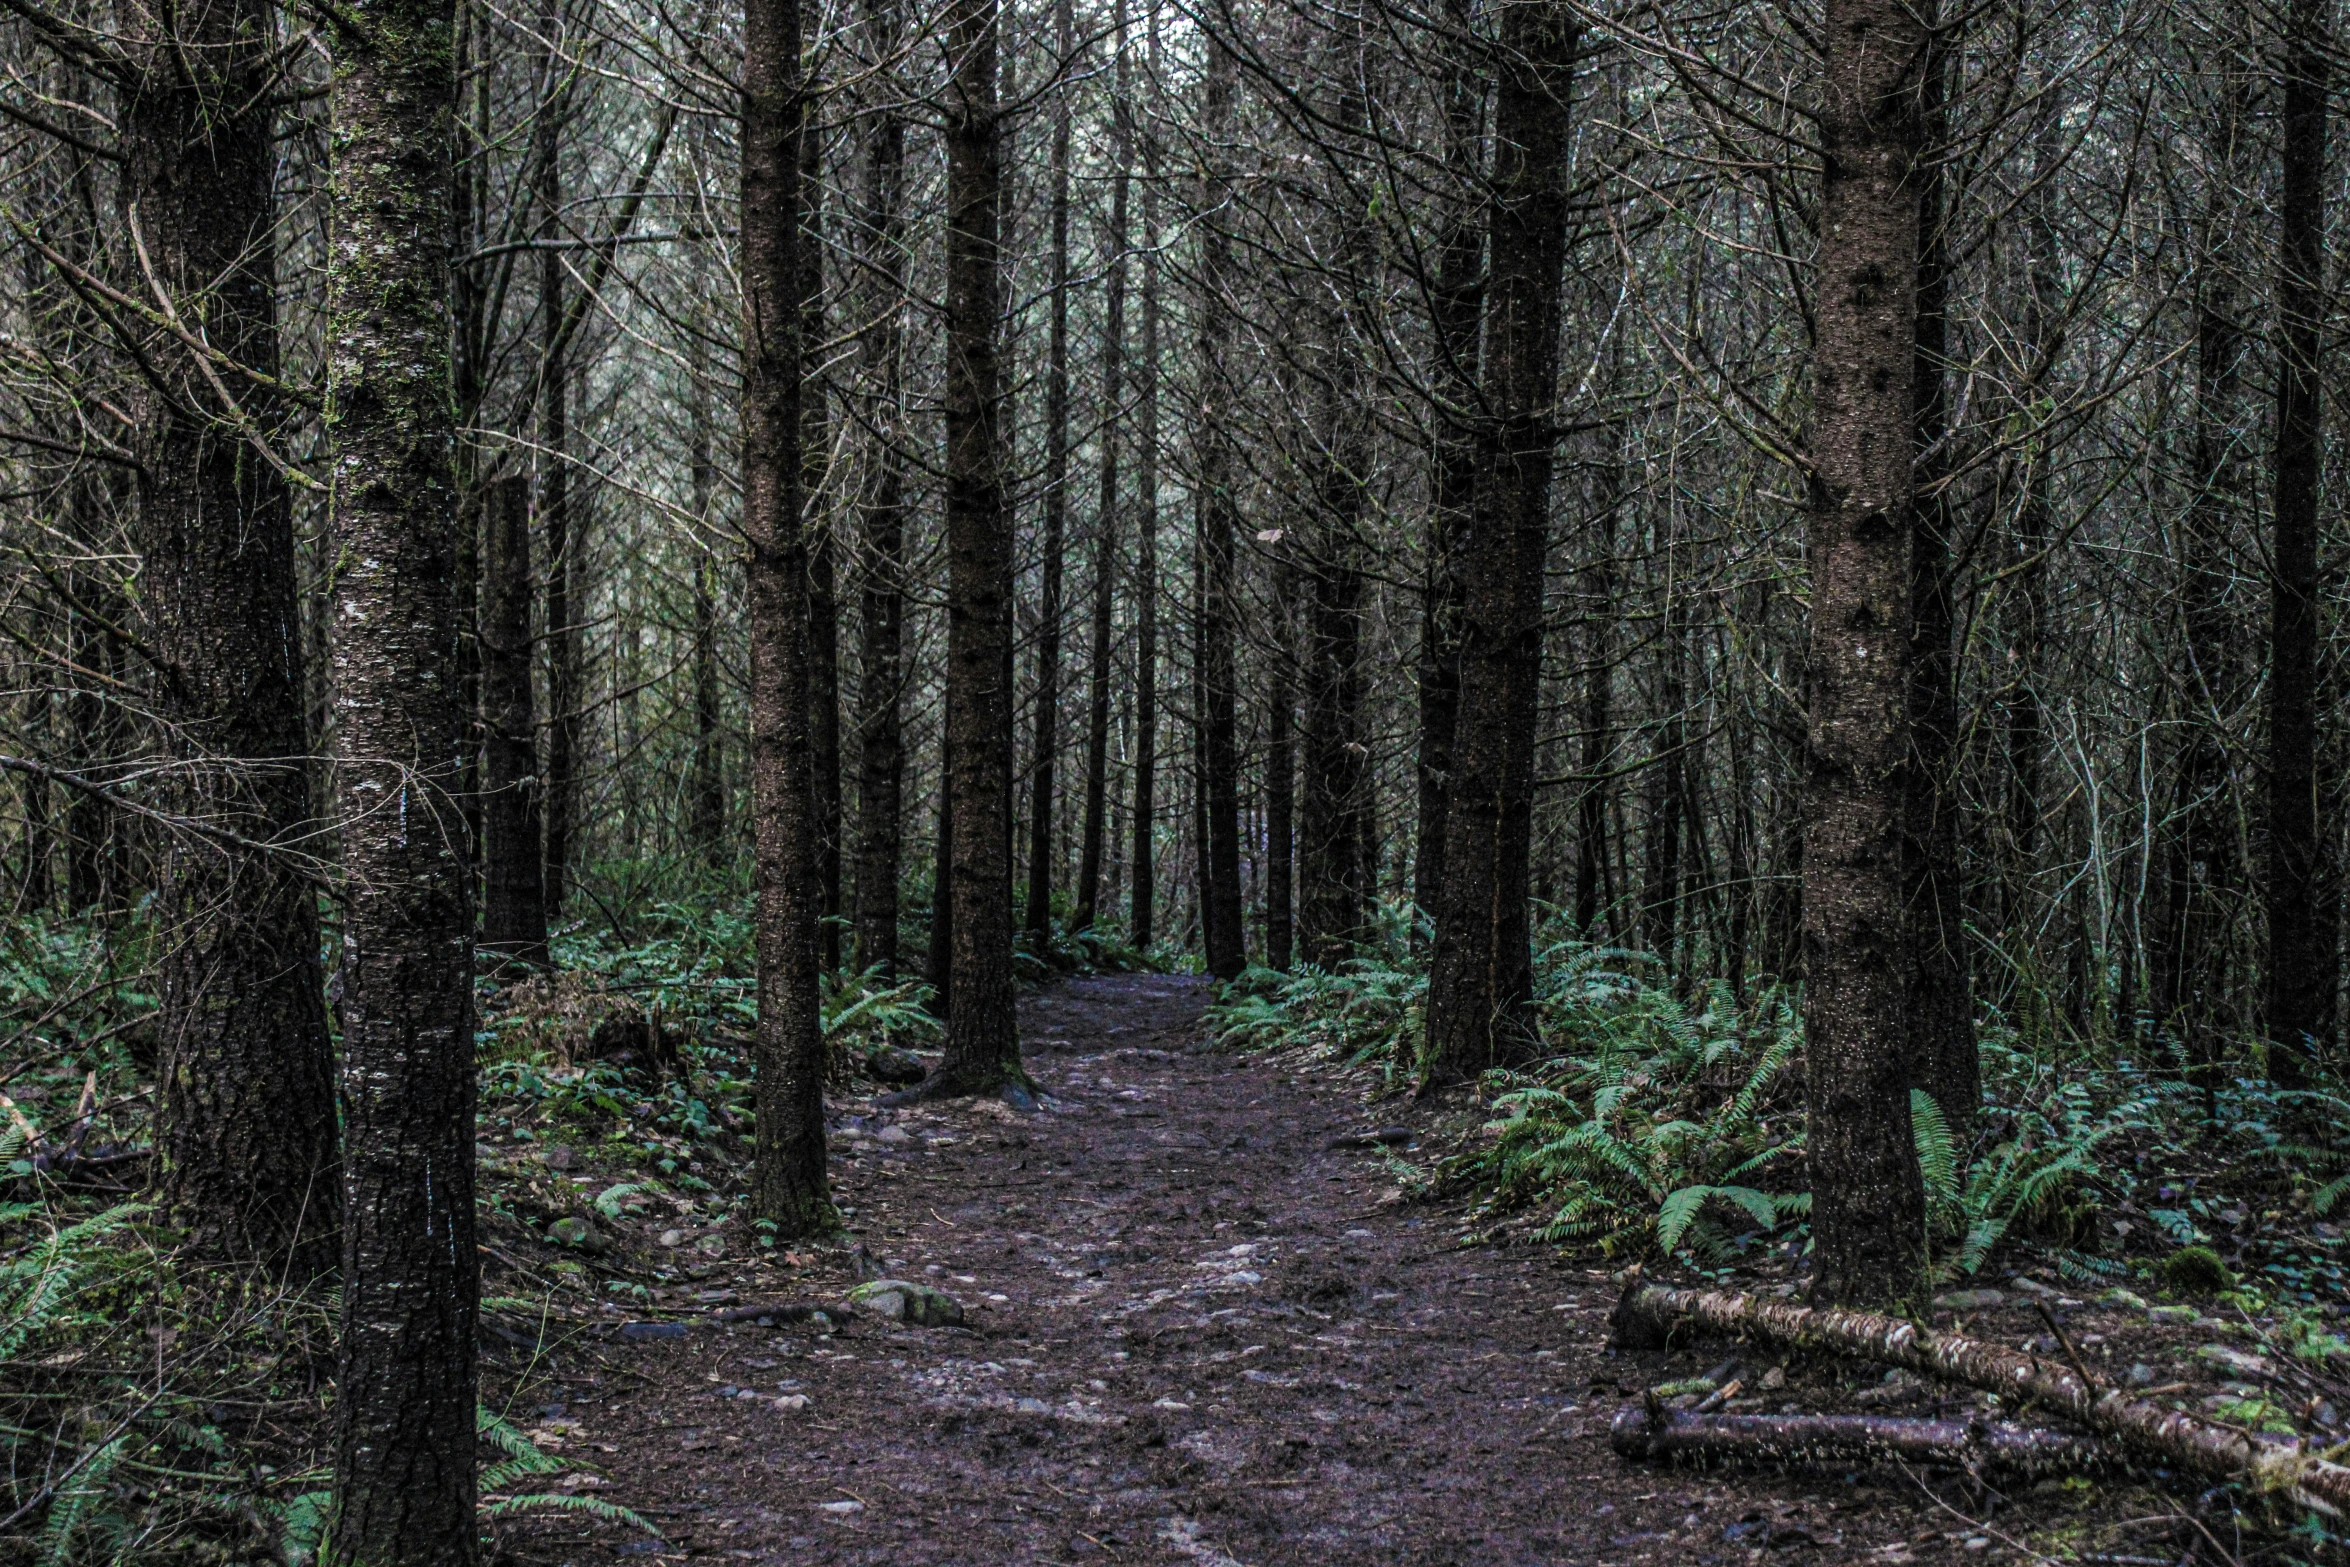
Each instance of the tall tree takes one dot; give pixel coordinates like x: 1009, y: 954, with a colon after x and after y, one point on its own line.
x: 983, y: 1040
x: 881, y: 751
x: 823, y: 546
x: 404, y: 1387
x: 1056, y: 509
x: 1141, y: 923
x: 790, y: 1188
x: 1482, y: 979
x: 246, y: 1133
x: 2304, y: 919
x: 706, y: 811
x: 1102, y: 671
x: 1941, y: 1027
x: 514, y: 911
x: 559, y: 554
x: 1216, y: 541
x: 1454, y: 307
x: 1868, y: 1204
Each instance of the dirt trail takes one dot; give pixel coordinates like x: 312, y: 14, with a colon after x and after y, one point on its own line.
x: 1196, y: 1334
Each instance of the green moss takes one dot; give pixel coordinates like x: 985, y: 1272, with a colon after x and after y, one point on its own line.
x: 2194, y: 1270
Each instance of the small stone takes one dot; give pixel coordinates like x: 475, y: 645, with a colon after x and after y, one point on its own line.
x: 1774, y: 1379
x: 2140, y: 1375
x: 920, y: 1305
x: 1357, y: 1235
x: 673, y: 1238
x: 1969, y: 1300
x: 894, y: 1136
x: 558, y: 1158
x: 889, y: 1064
x: 840, y: 1509
x: 577, y: 1232
x: 711, y: 1245
x: 2032, y: 1286
x: 2126, y: 1300
x: 2172, y: 1313
x: 791, y: 1402
x: 2235, y: 1360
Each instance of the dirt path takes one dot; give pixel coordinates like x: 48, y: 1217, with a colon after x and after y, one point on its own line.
x: 1196, y: 1333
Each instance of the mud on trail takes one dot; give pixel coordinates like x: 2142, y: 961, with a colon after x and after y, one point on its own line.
x: 1200, y: 1327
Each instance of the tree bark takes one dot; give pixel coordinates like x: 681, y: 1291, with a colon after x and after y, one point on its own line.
x: 560, y: 793
x: 823, y: 590
x: 1281, y: 772
x: 514, y: 913
x: 1941, y: 1028
x: 706, y: 806
x: 1105, y: 527
x: 1056, y: 517
x: 2303, y: 920
x: 1218, y: 522
x: 983, y: 1042
x: 789, y: 1187
x: 1868, y: 1214
x: 1481, y: 985
x: 404, y: 1388
x: 1141, y: 922
x: 1594, y: 887
x: 1454, y: 312
x: 246, y: 1126
x: 881, y: 751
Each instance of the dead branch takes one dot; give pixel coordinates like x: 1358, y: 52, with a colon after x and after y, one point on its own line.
x: 1648, y: 1312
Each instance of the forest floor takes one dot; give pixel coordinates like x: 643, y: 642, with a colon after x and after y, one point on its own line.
x: 1202, y: 1324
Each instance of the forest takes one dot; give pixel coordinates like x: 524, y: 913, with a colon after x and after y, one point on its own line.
x: 811, y: 686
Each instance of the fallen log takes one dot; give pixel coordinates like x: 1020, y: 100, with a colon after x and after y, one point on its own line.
x: 1649, y: 1312
x: 1649, y: 1430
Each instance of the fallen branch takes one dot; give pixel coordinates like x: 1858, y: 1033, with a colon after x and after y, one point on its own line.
x: 1648, y: 1312
x: 1652, y: 1431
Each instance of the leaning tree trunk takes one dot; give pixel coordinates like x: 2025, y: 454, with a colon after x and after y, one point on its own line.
x: 404, y: 1387
x: 881, y: 749
x: 514, y: 910
x: 790, y: 1187
x: 1481, y: 984
x: 2303, y: 963
x: 983, y: 1042
x: 1868, y: 1204
x: 246, y: 1123
x: 1941, y: 1028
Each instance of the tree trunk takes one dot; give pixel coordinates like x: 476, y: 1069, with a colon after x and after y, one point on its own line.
x: 2303, y: 921
x: 246, y: 1126
x: 514, y: 913
x: 404, y: 1386
x: 1218, y: 521
x: 707, y: 788
x: 881, y: 751
x: 1281, y: 772
x: 983, y: 1042
x: 560, y: 794
x: 1868, y: 1213
x: 1141, y: 923
x: 1481, y: 984
x: 790, y: 1186
x: 1594, y: 887
x: 1105, y: 527
x: 823, y: 590
x: 1056, y: 518
x: 1941, y: 1029
x: 1459, y: 299
x: 939, y: 961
